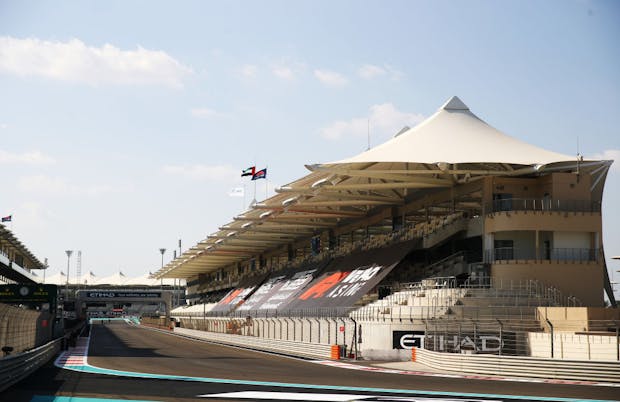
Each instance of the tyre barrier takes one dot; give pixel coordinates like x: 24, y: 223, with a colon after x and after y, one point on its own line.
x: 517, y: 366
x: 15, y: 368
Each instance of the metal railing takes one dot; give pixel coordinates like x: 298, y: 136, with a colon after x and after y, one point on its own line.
x: 542, y: 204
x: 15, y: 368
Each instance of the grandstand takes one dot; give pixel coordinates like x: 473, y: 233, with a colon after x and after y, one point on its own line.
x: 451, y: 220
x: 17, y: 263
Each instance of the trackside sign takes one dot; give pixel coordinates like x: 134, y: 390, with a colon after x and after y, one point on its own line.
x: 123, y: 295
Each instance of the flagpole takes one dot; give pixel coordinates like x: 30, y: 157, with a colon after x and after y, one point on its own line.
x: 254, y: 198
x: 243, y: 206
x: 266, y: 182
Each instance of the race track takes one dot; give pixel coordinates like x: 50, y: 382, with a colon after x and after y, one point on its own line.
x: 213, y: 372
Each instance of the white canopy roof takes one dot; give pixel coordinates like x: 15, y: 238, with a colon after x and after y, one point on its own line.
x: 88, y: 279
x: 452, y: 149
x: 117, y: 279
x: 455, y: 135
x: 58, y: 279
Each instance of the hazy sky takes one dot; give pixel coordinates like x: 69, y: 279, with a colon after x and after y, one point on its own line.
x: 125, y: 124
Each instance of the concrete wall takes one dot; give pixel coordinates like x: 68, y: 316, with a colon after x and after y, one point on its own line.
x: 583, y: 280
x: 543, y: 220
x: 571, y: 239
x: 580, y: 318
x: 522, y: 240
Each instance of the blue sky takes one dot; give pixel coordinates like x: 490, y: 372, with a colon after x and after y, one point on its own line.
x: 125, y: 124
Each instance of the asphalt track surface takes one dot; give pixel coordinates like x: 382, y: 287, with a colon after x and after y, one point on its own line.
x: 124, y: 347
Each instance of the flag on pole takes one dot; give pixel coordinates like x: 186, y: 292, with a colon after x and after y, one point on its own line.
x: 236, y: 192
x: 261, y: 174
x: 8, y: 218
x: 249, y: 171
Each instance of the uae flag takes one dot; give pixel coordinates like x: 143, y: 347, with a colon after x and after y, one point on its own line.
x: 7, y: 218
x: 249, y: 171
x: 261, y: 174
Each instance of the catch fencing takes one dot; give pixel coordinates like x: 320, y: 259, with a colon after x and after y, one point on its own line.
x: 516, y: 366
x: 288, y: 347
x: 23, y: 329
x: 599, y: 341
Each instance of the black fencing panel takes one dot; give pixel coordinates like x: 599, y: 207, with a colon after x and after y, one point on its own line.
x: 347, y: 279
x: 237, y: 295
x: 281, y: 287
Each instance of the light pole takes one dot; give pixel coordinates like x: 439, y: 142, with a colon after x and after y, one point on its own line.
x: 69, y: 252
x: 161, y: 279
x: 162, y: 251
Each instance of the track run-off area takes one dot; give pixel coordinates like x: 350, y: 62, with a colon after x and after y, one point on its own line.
x: 121, y: 361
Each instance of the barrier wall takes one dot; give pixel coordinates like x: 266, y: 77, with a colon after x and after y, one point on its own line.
x: 23, y: 329
x: 17, y: 367
x: 293, y: 348
x: 575, y: 346
x: 305, y: 329
x: 516, y: 366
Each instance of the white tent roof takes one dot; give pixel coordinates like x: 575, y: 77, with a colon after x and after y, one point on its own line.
x: 116, y: 279
x: 455, y: 135
x: 88, y: 279
x: 143, y: 280
x: 57, y: 279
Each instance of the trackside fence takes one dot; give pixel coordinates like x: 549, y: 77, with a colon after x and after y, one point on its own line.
x: 305, y: 330
x: 23, y: 329
x: 592, y: 340
x: 292, y: 348
x: 517, y: 366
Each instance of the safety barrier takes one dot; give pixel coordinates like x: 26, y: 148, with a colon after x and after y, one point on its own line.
x: 23, y: 329
x: 291, y: 348
x: 15, y: 368
x: 521, y: 366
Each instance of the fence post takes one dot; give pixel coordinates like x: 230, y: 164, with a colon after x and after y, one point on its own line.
x: 551, y: 327
x: 501, y: 341
x: 617, y: 343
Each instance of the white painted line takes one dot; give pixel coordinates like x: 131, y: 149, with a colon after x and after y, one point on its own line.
x: 304, y: 396
x: 287, y: 396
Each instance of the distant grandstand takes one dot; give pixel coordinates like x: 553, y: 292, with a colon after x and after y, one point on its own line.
x: 17, y: 263
x: 451, y: 218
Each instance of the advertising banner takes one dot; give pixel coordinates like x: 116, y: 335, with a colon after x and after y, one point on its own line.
x: 349, y: 278
x: 282, y: 287
x: 254, y: 301
x: 233, y: 298
x: 407, y: 339
x: 237, y: 295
